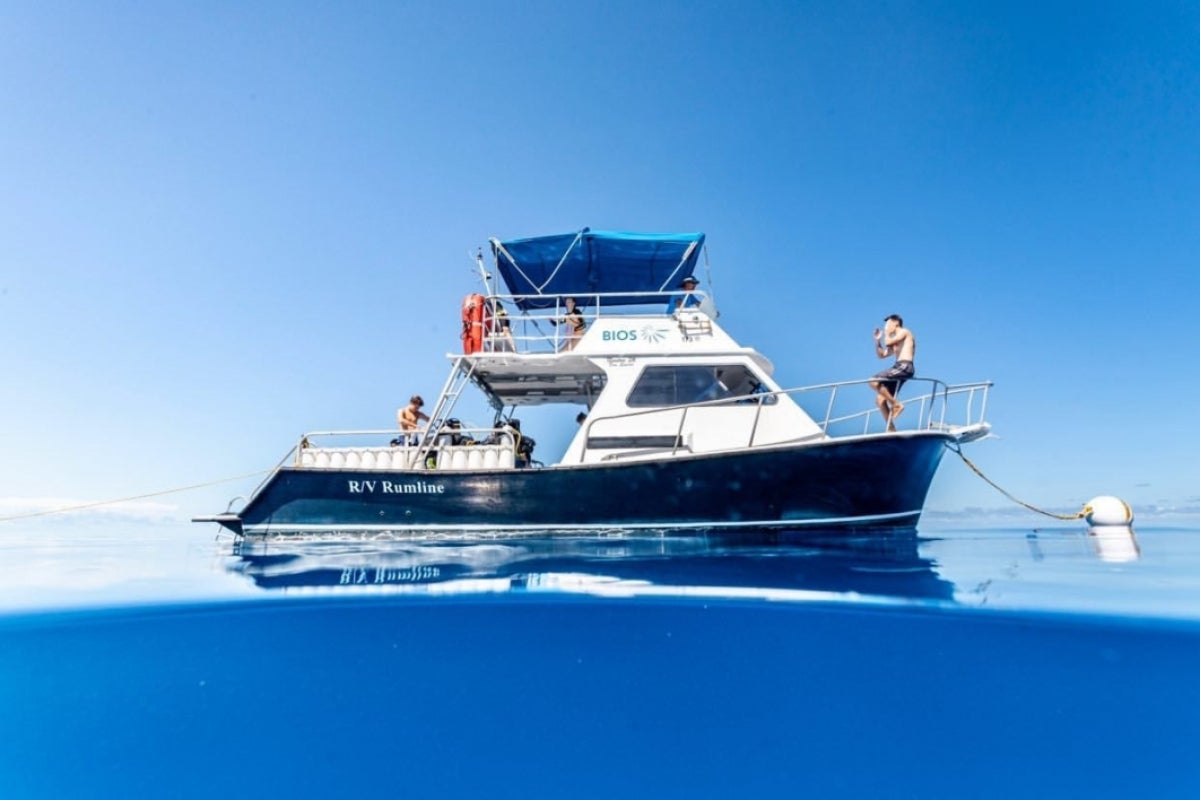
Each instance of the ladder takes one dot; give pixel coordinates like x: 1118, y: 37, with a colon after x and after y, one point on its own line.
x: 694, y: 324
x: 455, y: 382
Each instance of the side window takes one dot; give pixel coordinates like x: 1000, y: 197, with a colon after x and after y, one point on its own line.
x: 679, y: 385
x: 669, y: 386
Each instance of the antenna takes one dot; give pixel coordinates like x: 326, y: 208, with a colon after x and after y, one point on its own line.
x: 714, y: 313
x: 484, y: 275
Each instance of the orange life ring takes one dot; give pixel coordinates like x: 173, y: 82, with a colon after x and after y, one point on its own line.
x: 473, y: 323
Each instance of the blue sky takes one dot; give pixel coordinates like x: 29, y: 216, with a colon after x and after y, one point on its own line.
x: 225, y: 224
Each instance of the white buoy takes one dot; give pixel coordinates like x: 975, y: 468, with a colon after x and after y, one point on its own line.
x: 1107, y: 510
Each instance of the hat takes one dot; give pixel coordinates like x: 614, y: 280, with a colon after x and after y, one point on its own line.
x: 688, y: 279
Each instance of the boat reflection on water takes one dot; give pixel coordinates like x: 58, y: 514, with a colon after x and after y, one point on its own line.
x: 808, y: 565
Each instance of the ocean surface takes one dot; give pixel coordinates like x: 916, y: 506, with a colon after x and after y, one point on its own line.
x: 172, y: 660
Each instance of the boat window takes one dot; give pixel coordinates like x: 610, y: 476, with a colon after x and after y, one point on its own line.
x: 694, y: 383
x: 626, y: 442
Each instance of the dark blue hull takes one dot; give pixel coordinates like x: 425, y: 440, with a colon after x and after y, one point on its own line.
x: 862, y: 483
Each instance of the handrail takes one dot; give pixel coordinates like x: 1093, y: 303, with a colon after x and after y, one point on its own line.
x: 932, y: 411
x: 619, y: 304
x: 594, y: 298
x: 271, y: 472
x: 938, y: 398
x: 305, y: 440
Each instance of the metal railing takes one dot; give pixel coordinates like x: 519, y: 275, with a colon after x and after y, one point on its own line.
x: 934, y: 411
x: 543, y: 330
x: 943, y: 408
x: 934, y: 408
x: 406, y: 450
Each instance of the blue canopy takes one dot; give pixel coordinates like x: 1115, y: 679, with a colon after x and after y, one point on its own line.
x: 590, y: 262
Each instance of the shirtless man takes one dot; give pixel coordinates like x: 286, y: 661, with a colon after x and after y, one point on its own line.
x: 898, y: 341
x: 410, y: 415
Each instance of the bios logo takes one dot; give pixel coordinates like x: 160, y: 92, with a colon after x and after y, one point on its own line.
x: 653, y: 335
x: 646, y: 334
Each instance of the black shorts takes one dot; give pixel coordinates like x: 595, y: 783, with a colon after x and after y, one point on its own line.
x: 894, y: 376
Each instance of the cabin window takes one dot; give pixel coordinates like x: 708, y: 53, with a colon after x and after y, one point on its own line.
x: 694, y: 383
x: 627, y: 442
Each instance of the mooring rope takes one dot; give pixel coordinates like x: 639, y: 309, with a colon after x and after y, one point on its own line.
x: 1078, y: 515
x: 99, y: 503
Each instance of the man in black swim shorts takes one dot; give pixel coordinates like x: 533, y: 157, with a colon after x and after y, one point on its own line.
x: 895, y: 340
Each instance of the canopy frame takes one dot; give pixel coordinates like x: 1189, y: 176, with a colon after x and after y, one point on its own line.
x: 613, y: 268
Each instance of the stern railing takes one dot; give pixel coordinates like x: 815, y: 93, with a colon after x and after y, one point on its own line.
x: 441, y: 447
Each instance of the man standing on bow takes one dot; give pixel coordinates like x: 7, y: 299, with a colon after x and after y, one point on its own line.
x: 894, y: 340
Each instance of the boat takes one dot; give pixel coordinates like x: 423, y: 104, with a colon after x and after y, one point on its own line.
x: 680, y: 427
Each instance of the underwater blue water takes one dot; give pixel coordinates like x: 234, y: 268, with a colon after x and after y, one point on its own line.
x: 169, y: 662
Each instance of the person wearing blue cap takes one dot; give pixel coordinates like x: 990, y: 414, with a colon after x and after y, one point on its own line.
x: 687, y: 299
